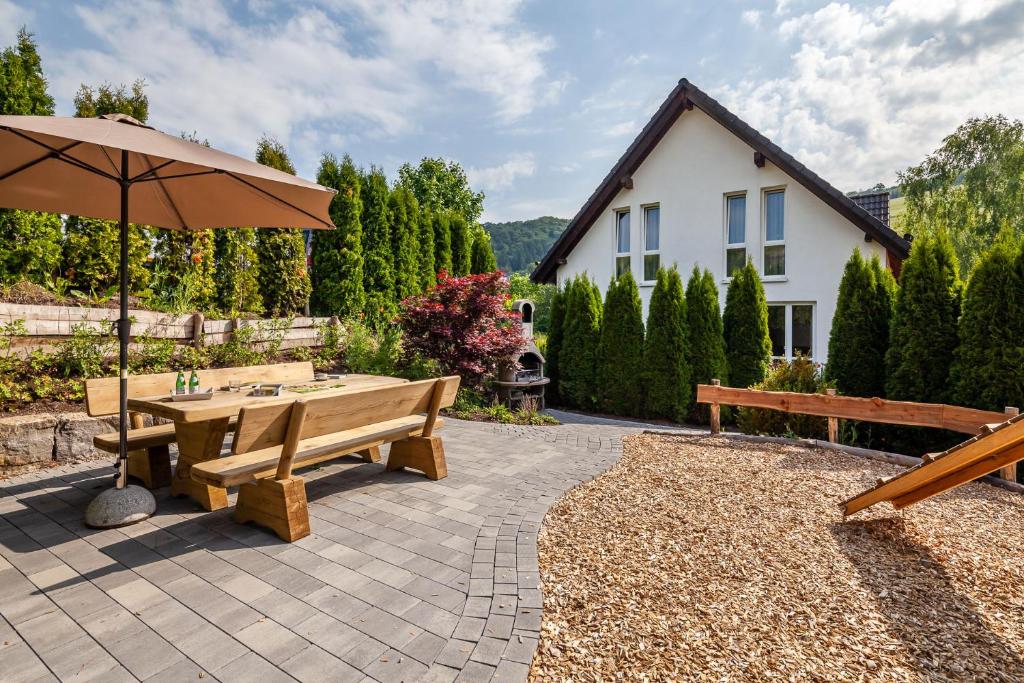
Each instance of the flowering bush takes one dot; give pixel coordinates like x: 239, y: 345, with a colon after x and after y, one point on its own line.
x: 463, y: 325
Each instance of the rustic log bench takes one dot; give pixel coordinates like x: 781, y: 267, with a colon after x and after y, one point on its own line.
x: 270, y: 441
x: 148, y: 457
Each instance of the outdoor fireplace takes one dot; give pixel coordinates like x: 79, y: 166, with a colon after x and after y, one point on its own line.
x: 518, y: 385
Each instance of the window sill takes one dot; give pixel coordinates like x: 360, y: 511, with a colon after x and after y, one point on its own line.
x: 764, y: 278
x: 647, y: 284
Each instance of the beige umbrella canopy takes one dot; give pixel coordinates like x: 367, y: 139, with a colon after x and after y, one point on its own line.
x: 114, y: 167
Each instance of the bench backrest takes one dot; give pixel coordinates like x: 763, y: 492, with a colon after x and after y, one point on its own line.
x: 265, y: 426
x: 102, y: 398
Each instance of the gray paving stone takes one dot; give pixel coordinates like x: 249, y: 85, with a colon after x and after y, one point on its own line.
x: 314, y: 664
x: 475, y: 672
x: 425, y: 647
x: 385, y: 627
x: 510, y: 672
x: 395, y: 666
x: 456, y: 653
x: 364, y: 653
x: 145, y: 654
x: 48, y: 631
x: 210, y: 648
x: 270, y: 640
x: 249, y: 668
x: 439, y: 673
x: 469, y: 628
x: 20, y: 663
x: 185, y: 670
x: 329, y: 633
x: 489, y: 650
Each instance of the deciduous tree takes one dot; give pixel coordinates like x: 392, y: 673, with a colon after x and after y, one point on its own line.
x: 441, y: 185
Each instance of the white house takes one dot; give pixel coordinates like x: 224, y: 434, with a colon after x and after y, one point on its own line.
x: 700, y: 187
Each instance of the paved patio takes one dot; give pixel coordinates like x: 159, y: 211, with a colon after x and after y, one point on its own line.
x: 402, y: 579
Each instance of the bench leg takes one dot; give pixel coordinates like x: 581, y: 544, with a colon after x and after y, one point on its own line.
x: 151, y: 466
x: 198, y: 442
x: 424, y: 453
x: 278, y: 505
x: 371, y: 454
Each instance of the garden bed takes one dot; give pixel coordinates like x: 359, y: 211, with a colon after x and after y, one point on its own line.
x: 698, y: 557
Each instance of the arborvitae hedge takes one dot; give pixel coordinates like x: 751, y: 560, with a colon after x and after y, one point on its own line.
x: 859, y: 338
x: 462, y: 245
x: 482, y: 259
x: 378, y: 276
x: 405, y: 218
x: 186, y: 261
x: 620, y: 370
x: 923, y: 334
x: 748, y: 349
x: 442, y: 243
x: 553, y: 350
x: 666, y: 363
x: 425, y: 232
x: 577, y: 359
x: 989, y: 368
x: 237, y: 271
x: 92, y: 254
x: 707, y: 343
x: 338, y: 254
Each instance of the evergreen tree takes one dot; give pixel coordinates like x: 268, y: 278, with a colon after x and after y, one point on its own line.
x: 405, y: 217
x: 923, y: 336
x: 859, y: 337
x: 425, y: 232
x: 620, y: 370
x: 23, y: 87
x: 107, y: 99
x: 378, y: 276
x: 281, y: 252
x: 666, y: 364
x: 461, y: 245
x: 748, y: 349
x: 577, y: 358
x: 553, y: 350
x: 442, y: 243
x: 337, y: 276
x: 482, y: 260
x: 237, y: 271
x: 704, y: 329
x: 989, y: 369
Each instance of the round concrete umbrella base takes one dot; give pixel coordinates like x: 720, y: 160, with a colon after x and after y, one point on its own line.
x: 120, y: 507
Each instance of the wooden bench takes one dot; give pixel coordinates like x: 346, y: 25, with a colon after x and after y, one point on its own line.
x: 148, y: 457
x: 270, y: 441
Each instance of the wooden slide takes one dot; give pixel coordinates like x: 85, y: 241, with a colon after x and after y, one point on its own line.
x: 998, y: 445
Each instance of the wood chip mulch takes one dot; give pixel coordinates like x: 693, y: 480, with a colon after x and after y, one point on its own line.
x: 699, y: 558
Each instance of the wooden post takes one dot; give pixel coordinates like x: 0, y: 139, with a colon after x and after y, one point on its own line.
x: 833, y: 422
x: 716, y: 419
x: 291, y: 440
x: 197, y: 329
x: 1009, y: 472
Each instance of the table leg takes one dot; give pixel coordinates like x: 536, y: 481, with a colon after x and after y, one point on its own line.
x: 199, y: 442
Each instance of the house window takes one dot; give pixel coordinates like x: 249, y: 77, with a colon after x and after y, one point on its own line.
x: 621, y: 242
x: 652, y: 242
x: 791, y: 330
x: 736, y: 233
x: 774, y: 232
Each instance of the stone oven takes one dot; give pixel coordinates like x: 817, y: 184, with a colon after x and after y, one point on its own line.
x: 517, y: 385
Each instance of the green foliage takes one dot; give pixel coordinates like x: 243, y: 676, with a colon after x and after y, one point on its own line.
x: 82, y: 354
x: 972, y: 186
x: 482, y: 259
x: 281, y: 253
x: 666, y: 364
x: 553, y: 347
x: 185, y: 269
x: 338, y: 254
x: 370, y: 352
x: 859, y: 338
x: 800, y: 376
x: 108, y: 99
x: 442, y: 186
x: 442, y: 242
x: 31, y: 246
x: 519, y: 244
x: 378, y: 275
x: 620, y: 369
x: 152, y: 355
x: 989, y: 369
x: 461, y: 246
x: 522, y: 287
x: 23, y: 88
x: 405, y: 219
x: 706, y: 336
x: 748, y: 348
x: 425, y: 237
x: 237, y: 271
x: 470, y: 404
x: 923, y: 333
x: 578, y: 355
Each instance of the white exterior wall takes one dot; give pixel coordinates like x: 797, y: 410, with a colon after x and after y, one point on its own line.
x: 690, y: 172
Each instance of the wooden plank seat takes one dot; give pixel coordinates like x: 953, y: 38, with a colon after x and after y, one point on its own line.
x: 271, y: 441
x: 149, y: 459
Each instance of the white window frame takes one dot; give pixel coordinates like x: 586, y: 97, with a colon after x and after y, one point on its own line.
x: 643, y: 245
x: 615, y: 241
x: 788, y: 328
x: 725, y: 232
x: 765, y: 243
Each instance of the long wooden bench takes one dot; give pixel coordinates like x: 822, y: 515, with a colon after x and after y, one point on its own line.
x: 149, y: 457
x: 271, y: 441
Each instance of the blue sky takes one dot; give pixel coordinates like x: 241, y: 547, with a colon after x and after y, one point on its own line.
x: 537, y: 99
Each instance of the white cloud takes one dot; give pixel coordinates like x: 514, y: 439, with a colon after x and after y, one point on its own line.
x: 502, y: 176
x: 871, y: 90
x: 751, y: 17
x: 621, y: 129
x: 635, y: 60
x: 12, y: 18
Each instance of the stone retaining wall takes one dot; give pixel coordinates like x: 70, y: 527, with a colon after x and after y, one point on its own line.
x: 27, y: 440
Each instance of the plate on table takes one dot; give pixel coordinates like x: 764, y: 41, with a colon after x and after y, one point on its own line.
x: 323, y: 376
x: 266, y: 390
x: 198, y: 396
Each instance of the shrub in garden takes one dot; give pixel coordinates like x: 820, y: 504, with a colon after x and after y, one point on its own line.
x: 482, y: 259
x: 425, y: 233
x: 405, y: 219
x: 577, y: 358
x: 801, y: 376
x: 666, y: 356
x: 620, y: 365
x: 463, y: 325
x: 745, y: 326
x: 378, y: 275
x: 236, y: 271
x: 704, y: 325
x: 338, y: 254
x: 442, y: 242
x: 184, y: 279
x: 552, y: 352
x: 365, y: 351
x: 31, y: 246
x: 462, y: 246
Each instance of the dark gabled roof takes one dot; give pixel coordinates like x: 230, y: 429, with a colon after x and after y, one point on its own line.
x: 683, y: 97
x: 875, y: 203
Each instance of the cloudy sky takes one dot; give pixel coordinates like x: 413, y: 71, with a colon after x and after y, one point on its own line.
x: 538, y: 98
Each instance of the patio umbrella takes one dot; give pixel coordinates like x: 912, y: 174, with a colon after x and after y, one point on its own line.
x: 114, y: 167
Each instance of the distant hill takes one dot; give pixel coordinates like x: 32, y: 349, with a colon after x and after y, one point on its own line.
x: 518, y: 244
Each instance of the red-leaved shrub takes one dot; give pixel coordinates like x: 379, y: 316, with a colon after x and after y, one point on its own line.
x: 462, y: 323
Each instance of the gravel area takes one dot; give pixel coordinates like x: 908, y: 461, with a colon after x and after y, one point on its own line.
x: 700, y: 558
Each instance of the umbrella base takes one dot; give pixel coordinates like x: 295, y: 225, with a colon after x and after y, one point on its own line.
x: 120, y: 507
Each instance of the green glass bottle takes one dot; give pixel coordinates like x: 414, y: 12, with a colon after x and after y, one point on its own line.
x: 179, y: 384
x: 193, y: 383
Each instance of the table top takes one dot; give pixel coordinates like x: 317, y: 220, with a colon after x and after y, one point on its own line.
x: 228, y: 404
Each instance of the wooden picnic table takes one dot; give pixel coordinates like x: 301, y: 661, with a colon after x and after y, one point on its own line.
x: 201, y: 426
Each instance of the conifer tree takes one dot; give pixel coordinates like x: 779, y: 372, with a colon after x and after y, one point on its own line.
x: 378, y: 276
x: 425, y: 232
x: 483, y: 260
x: 989, y: 369
x: 283, y: 276
x: 859, y: 338
x: 442, y: 242
x: 748, y: 347
x: 620, y: 371
x: 461, y: 245
x: 704, y: 329
x: 923, y: 335
x: 337, y: 276
x: 237, y: 271
x: 577, y: 359
x: 666, y: 353
x: 552, y: 352
x: 405, y: 216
